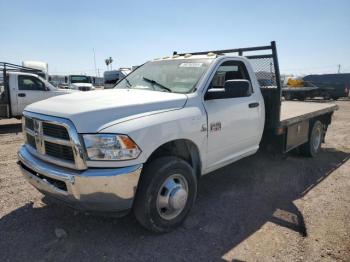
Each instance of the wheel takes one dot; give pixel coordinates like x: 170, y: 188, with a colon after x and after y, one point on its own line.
x: 301, y: 98
x: 327, y: 96
x: 165, y: 195
x: 335, y: 98
x: 312, y: 147
x: 288, y: 96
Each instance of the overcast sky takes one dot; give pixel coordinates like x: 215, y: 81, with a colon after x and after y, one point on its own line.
x: 312, y: 36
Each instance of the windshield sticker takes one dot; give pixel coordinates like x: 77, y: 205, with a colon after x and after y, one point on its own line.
x: 190, y: 64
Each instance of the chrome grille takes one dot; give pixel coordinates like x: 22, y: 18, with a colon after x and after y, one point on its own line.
x: 59, y: 151
x: 55, y: 131
x: 29, y: 123
x: 31, y: 141
x: 53, y: 140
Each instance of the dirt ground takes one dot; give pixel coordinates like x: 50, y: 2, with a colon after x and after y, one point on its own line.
x: 262, y: 208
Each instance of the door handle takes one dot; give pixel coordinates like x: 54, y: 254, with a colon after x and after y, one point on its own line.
x: 251, y: 105
x: 21, y: 94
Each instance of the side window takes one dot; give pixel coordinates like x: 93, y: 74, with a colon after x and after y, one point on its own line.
x: 229, y: 70
x: 26, y: 82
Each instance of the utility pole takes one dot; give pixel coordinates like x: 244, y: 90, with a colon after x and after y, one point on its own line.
x: 339, y: 66
x: 93, y: 50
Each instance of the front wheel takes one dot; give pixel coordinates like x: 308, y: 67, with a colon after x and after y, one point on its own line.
x: 165, y: 195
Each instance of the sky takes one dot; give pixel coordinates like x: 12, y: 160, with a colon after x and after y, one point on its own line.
x: 312, y: 36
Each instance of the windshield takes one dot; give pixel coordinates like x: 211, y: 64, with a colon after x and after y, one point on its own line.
x: 80, y: 79
x: 178, y: 76
x: 48, y: 84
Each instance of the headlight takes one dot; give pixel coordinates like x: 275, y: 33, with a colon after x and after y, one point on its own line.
x: 110, y: 147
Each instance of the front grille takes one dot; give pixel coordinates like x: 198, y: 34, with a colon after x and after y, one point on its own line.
x: 55, y: 131
x: 49, y: 138
x: 29, y: 123
x: 31, y: 141
x: 84, y: 88
x: 59, y: 151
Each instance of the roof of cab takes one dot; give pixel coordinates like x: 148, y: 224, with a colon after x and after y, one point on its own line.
x: 188, y: 56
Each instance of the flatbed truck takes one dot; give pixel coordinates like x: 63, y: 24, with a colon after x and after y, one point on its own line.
x: 144, y: 145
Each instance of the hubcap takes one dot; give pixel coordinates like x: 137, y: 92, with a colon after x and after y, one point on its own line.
x: 317, y: 138
x: 172, y: 196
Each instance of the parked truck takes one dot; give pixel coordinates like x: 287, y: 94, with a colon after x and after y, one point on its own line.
x: 79, y: 82
x: 145, y: 144
x: 21, y: 86
x: 41, y: 67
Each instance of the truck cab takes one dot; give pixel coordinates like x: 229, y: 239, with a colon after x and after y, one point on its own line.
x: 79, y: 82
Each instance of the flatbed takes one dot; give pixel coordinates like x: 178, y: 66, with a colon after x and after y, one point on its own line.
x: 293, y: 112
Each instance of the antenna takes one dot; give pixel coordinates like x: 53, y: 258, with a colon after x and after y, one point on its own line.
x: 339, y: 66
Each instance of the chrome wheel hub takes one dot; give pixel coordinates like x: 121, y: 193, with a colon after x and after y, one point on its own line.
x: 317, y: 139
x: 172, y: 196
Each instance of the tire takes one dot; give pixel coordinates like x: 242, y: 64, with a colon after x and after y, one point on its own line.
x: 327, y: 96
x: 288, y: 97
x: 335, y: 98
x: 312, y: 147
x: 165, y: 178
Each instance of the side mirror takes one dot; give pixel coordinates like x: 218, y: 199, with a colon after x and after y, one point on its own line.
x: 231, y: 89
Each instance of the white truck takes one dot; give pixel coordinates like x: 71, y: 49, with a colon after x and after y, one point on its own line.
x: 42, y: 67
x: 21, y: 86
x: 79, y: 82
x: 144, y: 145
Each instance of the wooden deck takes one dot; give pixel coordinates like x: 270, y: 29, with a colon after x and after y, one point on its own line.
x: 293, y: 111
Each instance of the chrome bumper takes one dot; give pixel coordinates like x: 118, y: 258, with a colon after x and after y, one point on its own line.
x: 95, y: 189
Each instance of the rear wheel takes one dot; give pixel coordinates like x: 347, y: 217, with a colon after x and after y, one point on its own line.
x: 312, y: 147
x: 301, y: 98
x: 166, y: 193
x: 326, y: 96
x: 288, y: 96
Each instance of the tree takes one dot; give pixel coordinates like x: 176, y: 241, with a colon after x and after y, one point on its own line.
x: 108, y: 62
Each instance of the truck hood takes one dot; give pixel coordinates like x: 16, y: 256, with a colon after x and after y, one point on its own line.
x: 93, y: 111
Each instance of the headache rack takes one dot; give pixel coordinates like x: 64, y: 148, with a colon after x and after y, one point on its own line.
x: 5, y: 96
x: 266, y: 68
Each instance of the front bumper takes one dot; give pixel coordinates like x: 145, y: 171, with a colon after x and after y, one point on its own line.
x: 94, y: 189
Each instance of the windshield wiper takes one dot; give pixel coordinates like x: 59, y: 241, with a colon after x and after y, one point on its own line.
x: 156, y: 83
x: 128, y: 82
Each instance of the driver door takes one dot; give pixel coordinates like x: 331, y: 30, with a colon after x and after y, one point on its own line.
x: 233, y: 122
x: 30, y: 89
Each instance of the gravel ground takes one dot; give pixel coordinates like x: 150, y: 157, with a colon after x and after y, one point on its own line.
x: 262, y: 208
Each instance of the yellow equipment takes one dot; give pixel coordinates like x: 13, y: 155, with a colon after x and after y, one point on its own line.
x: 293, y: 82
